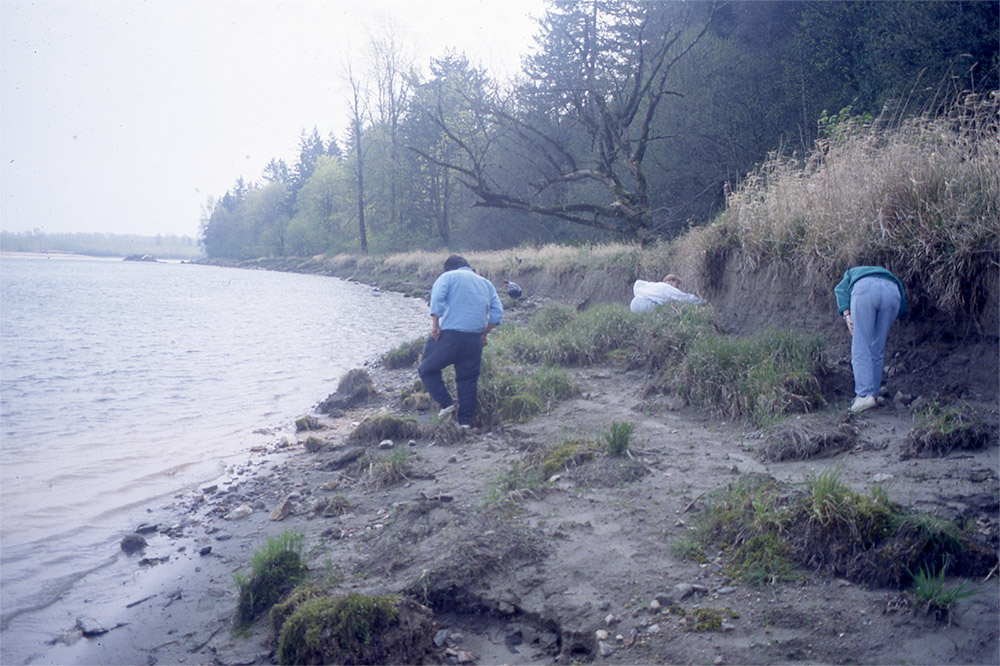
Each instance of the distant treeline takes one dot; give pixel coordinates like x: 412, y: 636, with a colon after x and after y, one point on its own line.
x: 102, y: 245
x: 631, y: 120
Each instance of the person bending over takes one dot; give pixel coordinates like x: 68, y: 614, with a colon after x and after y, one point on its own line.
x: 648, y: 295
x: 870, y: 299
x: 464, y: 309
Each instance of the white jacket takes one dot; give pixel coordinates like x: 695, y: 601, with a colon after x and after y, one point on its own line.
x: 647, y: 295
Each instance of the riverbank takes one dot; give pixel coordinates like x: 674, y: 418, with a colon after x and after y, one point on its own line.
x: 590, y: 552
x: 586, y: 566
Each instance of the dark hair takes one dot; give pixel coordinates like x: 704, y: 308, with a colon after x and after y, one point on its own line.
x: 454, y: 262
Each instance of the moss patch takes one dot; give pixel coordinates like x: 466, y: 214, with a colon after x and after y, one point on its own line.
x: 355, y: 629
x: 383, y: 426
x: 708, y: 619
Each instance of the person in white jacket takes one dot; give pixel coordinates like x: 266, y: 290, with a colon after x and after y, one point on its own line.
x: 648, y: 295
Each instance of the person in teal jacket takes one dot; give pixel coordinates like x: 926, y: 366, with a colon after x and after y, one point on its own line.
x: 870, y: 299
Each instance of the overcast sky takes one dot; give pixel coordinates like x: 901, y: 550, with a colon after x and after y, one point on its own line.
x: 124, y: 116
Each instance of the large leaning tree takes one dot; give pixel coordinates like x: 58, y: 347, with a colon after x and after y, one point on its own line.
x: 570, y: 141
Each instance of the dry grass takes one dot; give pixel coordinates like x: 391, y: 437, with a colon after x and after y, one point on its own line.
x: 921, y: 197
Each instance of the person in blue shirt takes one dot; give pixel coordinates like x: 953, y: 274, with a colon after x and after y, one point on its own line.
x: 870, y: 299
x: 464, y: 309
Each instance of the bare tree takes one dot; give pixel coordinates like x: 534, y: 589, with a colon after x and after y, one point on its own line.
x: 581, y: 126
x: 357, y: 105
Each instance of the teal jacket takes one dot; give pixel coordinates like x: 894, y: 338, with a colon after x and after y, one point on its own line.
x: 843, y: 290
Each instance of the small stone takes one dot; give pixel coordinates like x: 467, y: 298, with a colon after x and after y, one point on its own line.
x: 506, y: 608
x: 605, y: 649
x: 611, y: 619
x: 601, y: 634
x: 146, y: 528
x: 440, y: 638
x: 411, y: 443
x: 90, y: 627
x: 385, y: 444
x: 242, y: 511
x: 654, y: 629
x: 208, y: 490
x: 718, y: 660
x: 223, y: 536
x: 683, y: 591
x: 882, y: 478
x: 655, y: 606
x: 726, y: 590
x: 133, y: 543
x: 465, y: 657
x: 205, y: 550
x: 282, y: 511
x: 728, y: 626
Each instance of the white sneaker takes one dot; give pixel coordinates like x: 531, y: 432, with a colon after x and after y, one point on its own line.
x: 446, y: 412
x: 863, y: 402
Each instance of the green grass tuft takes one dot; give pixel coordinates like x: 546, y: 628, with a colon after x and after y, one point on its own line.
x: 277, y: 567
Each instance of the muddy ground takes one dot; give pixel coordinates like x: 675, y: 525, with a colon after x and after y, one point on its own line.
x: 541, y: 581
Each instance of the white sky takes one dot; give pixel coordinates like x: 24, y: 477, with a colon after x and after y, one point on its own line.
x: 124, y: 116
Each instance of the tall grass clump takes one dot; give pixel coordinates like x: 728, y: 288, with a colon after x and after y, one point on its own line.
x: 404, y: 355
x: 516, y: 393
x: 561, y: 338
x: 276, y: 568
x: 766, y: 529
x: 618, y: 437
x: 920, y: 196
x: 760, y: 378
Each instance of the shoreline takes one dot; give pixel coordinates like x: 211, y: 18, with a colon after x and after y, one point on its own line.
x: 599, y: 560
x: 181, y: 610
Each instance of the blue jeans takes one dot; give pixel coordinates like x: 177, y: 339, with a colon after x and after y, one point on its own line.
x: 874, y: 306
x: 465, y: 352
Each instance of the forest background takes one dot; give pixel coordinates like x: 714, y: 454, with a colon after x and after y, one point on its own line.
x: 630, y: 121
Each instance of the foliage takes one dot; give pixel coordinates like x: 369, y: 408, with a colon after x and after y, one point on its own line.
x: 616, y: 439
x: 277, y: 567
x: 385, y: 470
x: 383, y: 426
x: 760, y: 378
x: 404, y: 355
x: 353, y: 629
x: 931, y: 589
x: 921, y: 197
x: 942, y: 429
x: 766, y: 529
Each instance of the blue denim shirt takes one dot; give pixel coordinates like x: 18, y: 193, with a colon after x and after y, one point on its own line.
x: 464, y: 301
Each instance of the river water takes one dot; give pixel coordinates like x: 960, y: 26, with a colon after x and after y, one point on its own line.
x: 125, y: 383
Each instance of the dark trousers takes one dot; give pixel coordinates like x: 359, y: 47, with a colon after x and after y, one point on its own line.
x: 465, y: 352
